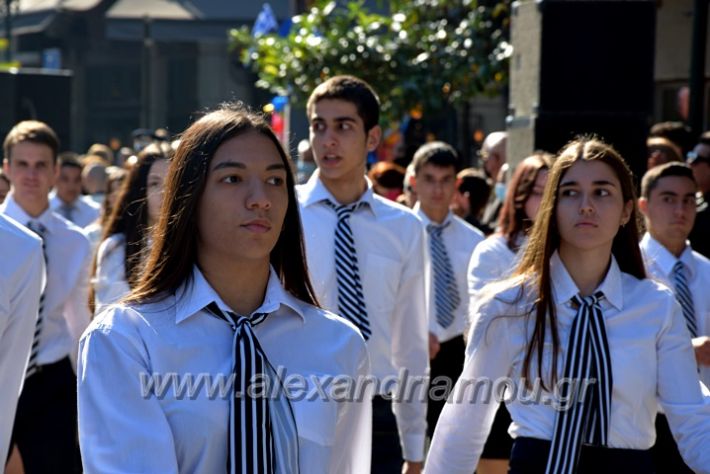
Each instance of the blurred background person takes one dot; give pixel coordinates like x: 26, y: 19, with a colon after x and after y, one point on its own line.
x: 699, y: 161
x: 661, y: 151
x: 472, y: 191
x: 677, y: 132
x: 126, y: 236
x: 305, y: 166
x: 387, y: 179
x: 93, y: 179
x: 409, y: 194
x: 66, y: 198
x: 102, y: 151
x: 114, y: 181
x: 494, y: 259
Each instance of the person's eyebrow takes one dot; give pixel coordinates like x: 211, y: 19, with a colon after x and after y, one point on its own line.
x: 242, y: 166
x: 600, y: 182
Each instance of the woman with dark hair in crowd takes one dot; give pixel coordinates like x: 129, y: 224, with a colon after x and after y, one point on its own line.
x: 494, y: 259
x: 114, y: 180
x: 225, y: 295
x: 589, y: 344
x: 126, y: 240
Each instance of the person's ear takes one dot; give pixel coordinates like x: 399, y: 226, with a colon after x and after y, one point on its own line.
x: 626, y: 214
x: 643, y: 205
x: 373, y: 138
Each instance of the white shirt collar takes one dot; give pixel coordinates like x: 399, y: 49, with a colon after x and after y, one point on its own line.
x: 564, y: 288
x: 418, y: 210
x: 196, y: 293
x: 48, y: 219
x: 664, y: 259
x: 314, y: 192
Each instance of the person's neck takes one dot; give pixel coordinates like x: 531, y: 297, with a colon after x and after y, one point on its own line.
x: 241, y: 285
x: 346, y: 191
x: 65, y: 202
x: 435, y: 214
x: 33, y: 207
x: 586, y: 268
x: 674, y: 246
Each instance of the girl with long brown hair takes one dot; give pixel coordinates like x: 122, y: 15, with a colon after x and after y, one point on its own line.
x: 205, y: 365
x: 585, y: 345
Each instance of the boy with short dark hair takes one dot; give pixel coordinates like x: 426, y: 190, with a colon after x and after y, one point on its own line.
x: 668, y: 204
x: 451, y: 241
x: 367, y: 261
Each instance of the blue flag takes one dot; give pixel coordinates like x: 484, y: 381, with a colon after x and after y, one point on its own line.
x: 265, y: 22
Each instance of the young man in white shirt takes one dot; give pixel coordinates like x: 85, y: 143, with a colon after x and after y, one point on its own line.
x: 45, y: 423
x: 67, y: 200
x: 367, y: 261
x: 451, y: 241
x: 668, y: 205
x: 21, y: 283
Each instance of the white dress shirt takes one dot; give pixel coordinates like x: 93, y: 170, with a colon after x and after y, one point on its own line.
x: 110, y: 283
x: 66, y: 297
x: 122, y: 431
x: 21, y: 282
x: 660, y: 262
x: 460, y: 239
x: 491, y: 260
x: 84, y: 210
x: 391, y: 252
x: 651, y: 356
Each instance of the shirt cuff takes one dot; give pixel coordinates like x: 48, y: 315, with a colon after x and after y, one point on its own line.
x: 413, y: 447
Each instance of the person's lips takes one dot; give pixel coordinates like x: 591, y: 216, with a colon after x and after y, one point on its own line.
x: 585, y: 224
x: 258, y: 226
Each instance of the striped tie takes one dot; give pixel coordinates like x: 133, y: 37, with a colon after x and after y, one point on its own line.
x: 351, y: 301
x: 32, y: 365
x: 263, y: 438
x: 446, y: 293
x: 584, y: 420
x: 682, y: 294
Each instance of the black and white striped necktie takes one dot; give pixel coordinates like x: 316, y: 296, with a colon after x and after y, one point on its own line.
x: 32, y: 365
x: 263, y: 437
x: 446, y: 293
x: 684, y: 297
x: 351, y: 301
x: 585, y: 420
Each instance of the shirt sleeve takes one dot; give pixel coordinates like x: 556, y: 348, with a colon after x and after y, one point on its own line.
x: 410, y: 349
x: 466, y: 419
x: 120, y: 430
x: 76, y: 309
x: 679, y: 391
x: 110, y: 283
x: 353, y: 432
x: 16, y: 339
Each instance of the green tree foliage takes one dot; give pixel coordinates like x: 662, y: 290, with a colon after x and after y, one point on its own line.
x: 425, y: 53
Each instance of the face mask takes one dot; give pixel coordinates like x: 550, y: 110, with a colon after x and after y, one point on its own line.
x: 500, y: 191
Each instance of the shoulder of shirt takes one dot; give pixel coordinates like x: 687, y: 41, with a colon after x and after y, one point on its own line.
x: 701, y: 261
x: 390, y: 209
x: 492, y: 245
x: 90, y: 203
x: 650, y: 288
x: 17, y: 233
x: 111, y: 243
x: 319, y: 315
x: 70, y: 230
x: 466, y: 227
x: 128, y: 318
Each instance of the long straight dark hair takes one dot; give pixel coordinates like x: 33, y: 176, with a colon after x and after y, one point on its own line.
x: 545, y: 240
x: 513, y: 221
x: 129, y: 215
x: 175, y: 237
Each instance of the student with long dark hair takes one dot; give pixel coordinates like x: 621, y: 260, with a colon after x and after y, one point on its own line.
x: 225, y: 296
x: 125, y: 242
x: 589, y: 344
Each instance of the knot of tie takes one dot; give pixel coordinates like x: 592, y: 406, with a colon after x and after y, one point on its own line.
x: 591, y: 300
x: 436, y: 229
x: 344, y: 211
x: 37, y: 228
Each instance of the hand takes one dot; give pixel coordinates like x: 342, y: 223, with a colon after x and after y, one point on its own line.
x: 434, y: 345
x: 701, y: 345
x: 410, y: 467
